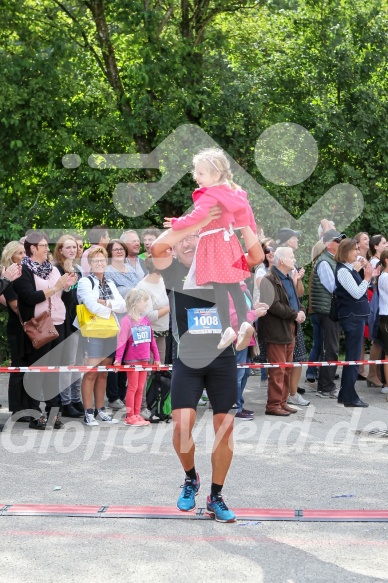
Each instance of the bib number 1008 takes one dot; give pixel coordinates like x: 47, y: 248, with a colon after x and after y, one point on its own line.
x: 205, y: 320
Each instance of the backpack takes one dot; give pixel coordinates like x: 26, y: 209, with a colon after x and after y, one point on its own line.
x: 158, y: 396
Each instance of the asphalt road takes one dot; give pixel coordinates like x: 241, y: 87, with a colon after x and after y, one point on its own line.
x: 322, y: 458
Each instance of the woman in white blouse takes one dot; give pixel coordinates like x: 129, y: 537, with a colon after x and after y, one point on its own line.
x: 158, y: 307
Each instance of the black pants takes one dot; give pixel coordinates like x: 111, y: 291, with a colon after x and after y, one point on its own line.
x: 116, y: 386
x: 331, y: 332
x: 17, y: 396
x: 46, y: 384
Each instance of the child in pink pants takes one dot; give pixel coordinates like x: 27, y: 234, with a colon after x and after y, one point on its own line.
x: 135, y: 343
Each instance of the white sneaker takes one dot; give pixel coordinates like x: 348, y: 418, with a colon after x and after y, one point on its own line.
x: 146, y: 414
x: 89, y: 419
x: 116, y: 405
x: 103, y: 415
x: 297, y: 399
x: 244, y: 336
x: 334, y: 394
x: 227, y: 338
x: 384, y: 390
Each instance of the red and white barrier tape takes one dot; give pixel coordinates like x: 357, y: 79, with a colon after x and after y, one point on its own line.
x: 150, y: 367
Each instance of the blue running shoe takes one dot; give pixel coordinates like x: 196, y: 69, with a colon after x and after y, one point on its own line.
x: 186, y: 500
x: 219, y: 509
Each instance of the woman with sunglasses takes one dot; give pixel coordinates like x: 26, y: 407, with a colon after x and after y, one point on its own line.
x: 100, y: 296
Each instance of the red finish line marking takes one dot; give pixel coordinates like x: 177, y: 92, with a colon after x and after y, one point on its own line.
x: 168, y: 512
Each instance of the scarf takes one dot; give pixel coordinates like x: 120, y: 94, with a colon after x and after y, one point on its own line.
x: 42, y: 270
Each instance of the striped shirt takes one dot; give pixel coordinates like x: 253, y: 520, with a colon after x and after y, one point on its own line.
x: 348, y: 282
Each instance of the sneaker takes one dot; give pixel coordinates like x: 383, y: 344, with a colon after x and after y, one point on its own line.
x: 301, y: 391
x: 244, y: 415
x: 323, y: 394
x: 334, y: 394
x: 142, y: 420
x: 244, y: 336
x: 312, y: 385
x: 219, y: 509
x: 116, y: 405
x: 135, y: 421
x: 145, y: 414
x: 186, y: 501
x: 227, y: 338
x: 384, y: 390
x: 89, y: 419
x: 297, y: 400
x: 248, y: 411
x: 103, y: 415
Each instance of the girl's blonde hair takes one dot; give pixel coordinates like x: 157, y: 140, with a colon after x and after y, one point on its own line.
x: 216, y: 161
x: 132, y: 299
x: 59, y: 258
x: 8, y: 251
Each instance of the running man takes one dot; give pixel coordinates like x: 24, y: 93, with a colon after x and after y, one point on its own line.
x: 198, y: 364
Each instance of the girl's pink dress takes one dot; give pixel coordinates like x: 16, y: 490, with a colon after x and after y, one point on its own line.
x: 220, y: 257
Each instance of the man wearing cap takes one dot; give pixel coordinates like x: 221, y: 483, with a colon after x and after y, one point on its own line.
x: 286, y: 235
x: 322, y: 288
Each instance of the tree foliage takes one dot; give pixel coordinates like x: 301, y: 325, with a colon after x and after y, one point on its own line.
x: 118, y: 76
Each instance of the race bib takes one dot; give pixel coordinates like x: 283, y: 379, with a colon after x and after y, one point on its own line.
x: 141, y: 334
x: 203, y: 321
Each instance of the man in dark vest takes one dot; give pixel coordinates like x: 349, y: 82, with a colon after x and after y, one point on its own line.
x: 322, y: 288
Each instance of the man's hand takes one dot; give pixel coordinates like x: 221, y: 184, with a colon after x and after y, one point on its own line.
x: 214, y: 213
x: 261, y: 309
x: 12, y: 272
x: 300, y: 317
x: 327, y: 225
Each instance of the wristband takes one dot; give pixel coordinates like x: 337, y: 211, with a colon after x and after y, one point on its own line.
x: 6, y: 279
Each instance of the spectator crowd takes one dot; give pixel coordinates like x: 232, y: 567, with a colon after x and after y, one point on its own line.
x: 117, y: 280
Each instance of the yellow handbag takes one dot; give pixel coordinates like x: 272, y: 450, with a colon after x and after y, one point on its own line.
x: 94, y: 326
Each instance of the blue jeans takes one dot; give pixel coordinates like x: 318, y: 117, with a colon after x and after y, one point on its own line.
x: 317, y: 347
x: 242, y: 376
x: 353, y: 328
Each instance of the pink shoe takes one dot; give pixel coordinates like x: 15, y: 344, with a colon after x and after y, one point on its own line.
x: 143, y: 421
x: 133, y: 420
x: 227, y: 338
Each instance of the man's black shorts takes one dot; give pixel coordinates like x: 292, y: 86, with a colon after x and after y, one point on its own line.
x: 219, y: 379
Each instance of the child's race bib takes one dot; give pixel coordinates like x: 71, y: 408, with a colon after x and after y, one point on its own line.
x: 141, y: 334
x: 203, y: 321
